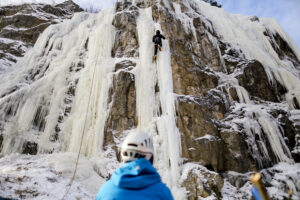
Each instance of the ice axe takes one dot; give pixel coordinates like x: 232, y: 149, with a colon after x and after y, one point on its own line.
x: 258, y: 191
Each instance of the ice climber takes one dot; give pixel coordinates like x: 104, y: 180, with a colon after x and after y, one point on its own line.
x: 157, y: 43
x: 136, y: 179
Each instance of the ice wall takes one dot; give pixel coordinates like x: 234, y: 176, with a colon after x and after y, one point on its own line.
x: 90, y: 108
x: 34, y: 92
x: 58, y: 96
x: 156, y: 111
x: 75, y: 52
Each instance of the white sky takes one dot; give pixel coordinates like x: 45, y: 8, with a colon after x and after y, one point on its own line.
x: 83, y: 3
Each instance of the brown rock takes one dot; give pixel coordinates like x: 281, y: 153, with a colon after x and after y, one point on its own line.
x: 195, y: 120
x: 282, y: 48
x: 291, y: 132
x: 123, y: 99
x: 256, y: 82
x: 201, y: 183
x: 69, y: 6
x: 126, y: 43
x: 30, y: 148
x: 237, y: 157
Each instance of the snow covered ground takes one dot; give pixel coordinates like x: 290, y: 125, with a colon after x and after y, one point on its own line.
x: 46, y: 176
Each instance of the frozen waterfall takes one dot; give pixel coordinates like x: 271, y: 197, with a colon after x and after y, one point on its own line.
x: 59, y: 93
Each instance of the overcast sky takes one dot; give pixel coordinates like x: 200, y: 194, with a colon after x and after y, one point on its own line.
x: 83, y: 3
x: 286, y: 12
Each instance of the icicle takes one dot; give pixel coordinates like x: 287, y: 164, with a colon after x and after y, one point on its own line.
x: 275, y: 138
x: 262, y: 122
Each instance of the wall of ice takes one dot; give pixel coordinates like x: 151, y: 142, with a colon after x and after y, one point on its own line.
x: 58, y: 95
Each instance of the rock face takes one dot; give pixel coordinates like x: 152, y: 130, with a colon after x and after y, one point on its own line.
x: 126, y: 43
x: 235, y: 112
x: 123, y: 113
x: 204, y: 105
x: 20, y: 26
x: 255, y: 81
x: 202, y: 183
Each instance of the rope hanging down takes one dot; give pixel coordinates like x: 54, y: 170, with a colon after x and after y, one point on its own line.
x: 83, y: 131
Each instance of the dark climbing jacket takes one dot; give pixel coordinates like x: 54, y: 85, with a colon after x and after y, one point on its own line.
x: 136, y: 180
x: 157, y: 39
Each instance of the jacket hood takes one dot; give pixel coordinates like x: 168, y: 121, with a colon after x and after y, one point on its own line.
x: 136, y: 174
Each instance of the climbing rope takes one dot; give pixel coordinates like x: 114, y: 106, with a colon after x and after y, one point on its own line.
x: 83, y: 132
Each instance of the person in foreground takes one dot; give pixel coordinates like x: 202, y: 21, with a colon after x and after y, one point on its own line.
x: 136, y: 179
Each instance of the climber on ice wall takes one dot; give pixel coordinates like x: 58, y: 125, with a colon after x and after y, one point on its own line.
x: 137, y: 179
x: 157, y: 43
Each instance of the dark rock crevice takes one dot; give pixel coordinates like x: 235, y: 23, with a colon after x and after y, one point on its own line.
x: 282, y: 48
x: 256, y: 82
x: 122, y: 114
x: 126, y: 43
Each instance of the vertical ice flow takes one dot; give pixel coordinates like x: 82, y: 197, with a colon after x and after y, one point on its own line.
x: 97, y: 79
x: 258, y: 121
x: 157, y: 110
x: 40, y: 86
x: 45, y: 79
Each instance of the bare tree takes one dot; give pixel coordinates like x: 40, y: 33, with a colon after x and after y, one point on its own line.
x: 92, y: 9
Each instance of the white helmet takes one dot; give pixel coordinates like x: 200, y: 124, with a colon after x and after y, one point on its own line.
x: 137, y: 145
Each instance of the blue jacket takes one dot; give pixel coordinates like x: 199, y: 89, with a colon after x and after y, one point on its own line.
x: 136, y: 180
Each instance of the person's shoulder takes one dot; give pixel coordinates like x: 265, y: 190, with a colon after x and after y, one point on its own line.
x: 163, y: 190
x: 107, y: 187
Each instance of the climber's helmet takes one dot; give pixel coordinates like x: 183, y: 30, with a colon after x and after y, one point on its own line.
x: 137, y: 145
x: 157, y: 32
